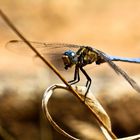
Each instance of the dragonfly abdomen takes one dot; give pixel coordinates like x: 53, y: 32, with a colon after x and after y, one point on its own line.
x: 130, y: 60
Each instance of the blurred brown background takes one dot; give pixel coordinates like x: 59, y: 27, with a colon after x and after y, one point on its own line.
x: 111, y: 26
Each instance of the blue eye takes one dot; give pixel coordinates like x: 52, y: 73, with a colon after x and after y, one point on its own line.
x: 69, y: 53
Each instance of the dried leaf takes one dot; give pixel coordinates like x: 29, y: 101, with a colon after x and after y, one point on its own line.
x: 90, y: 100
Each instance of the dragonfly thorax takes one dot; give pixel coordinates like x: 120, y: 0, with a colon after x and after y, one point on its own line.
x: 69, y: 59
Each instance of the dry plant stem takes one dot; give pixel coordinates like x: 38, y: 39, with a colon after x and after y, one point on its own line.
x: 10, y: 24
x: 135, y: 137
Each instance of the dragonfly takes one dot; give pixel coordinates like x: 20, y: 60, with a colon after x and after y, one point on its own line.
x: 77, y: 56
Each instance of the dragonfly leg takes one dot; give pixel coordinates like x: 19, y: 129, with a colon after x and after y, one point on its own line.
x: 88, y: 84
x: 76, y: 76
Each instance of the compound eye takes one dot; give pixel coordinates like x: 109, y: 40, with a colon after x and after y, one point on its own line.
x: 69, y: 53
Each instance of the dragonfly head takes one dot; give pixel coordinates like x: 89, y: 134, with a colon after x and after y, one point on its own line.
x: 69, y: 59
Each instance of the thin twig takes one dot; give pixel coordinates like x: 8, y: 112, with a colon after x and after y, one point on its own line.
x: 11, y: 25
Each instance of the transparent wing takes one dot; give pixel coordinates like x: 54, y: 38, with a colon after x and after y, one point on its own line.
x: 118, y: 70
x: 44, y: 48
x: 51, y: 51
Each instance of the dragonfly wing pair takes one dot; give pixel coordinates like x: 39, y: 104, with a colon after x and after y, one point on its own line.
x: 118, y: 70
x: 55, y: 51
x: 51, y: 51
